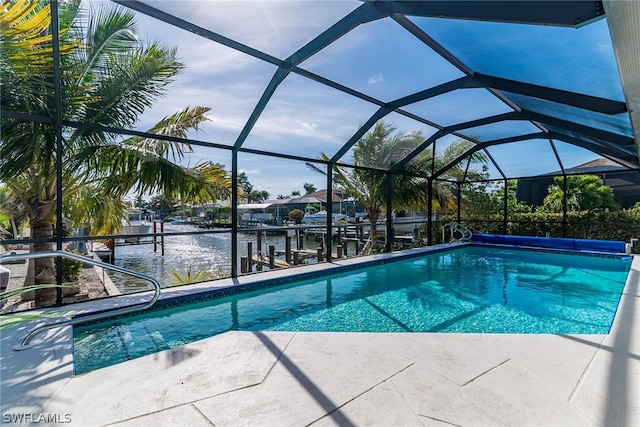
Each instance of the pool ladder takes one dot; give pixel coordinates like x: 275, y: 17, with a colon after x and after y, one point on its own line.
x: 26, y: 342
x: 454, y: 230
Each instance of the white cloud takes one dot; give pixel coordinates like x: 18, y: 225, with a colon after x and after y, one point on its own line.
x: 307, y: 126
x: 251, y: 171
x: 275, y: 27
x: 375, y: 79
x: 227, y: 123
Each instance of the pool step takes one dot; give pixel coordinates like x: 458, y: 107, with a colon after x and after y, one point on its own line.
x: 140, y: 342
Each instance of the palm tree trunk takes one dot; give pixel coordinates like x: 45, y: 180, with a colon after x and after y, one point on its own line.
x: 373, y: 234
x: 42, y: 270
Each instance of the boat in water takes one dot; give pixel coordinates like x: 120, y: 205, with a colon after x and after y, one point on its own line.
x: 321, y: 217
x: 408, y: 224
x: 135, y: 224
x: 141, y: 228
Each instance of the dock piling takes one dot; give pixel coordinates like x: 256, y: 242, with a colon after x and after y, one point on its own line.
x: 272, y: 257
x: 287, y: 248
x: 259, y: 249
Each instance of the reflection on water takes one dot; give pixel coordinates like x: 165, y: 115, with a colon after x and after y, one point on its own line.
x: 199, y: 252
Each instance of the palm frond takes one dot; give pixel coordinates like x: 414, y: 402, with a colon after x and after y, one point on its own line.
x: 131, y: 83
x: 177, y: 125
x: 109, y: 32
x: 183, y: 277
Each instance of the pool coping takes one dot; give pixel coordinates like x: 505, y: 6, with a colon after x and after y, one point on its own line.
x: 606, y: 391
x: 250, y: 282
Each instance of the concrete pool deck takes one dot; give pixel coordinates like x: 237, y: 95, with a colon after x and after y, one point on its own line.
x: 299, y: 379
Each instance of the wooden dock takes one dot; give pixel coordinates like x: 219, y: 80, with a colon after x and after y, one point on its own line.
x: 266, y: 261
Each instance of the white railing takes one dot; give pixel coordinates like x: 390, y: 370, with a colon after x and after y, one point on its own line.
x: 91, y: 317
x: 457, y: 233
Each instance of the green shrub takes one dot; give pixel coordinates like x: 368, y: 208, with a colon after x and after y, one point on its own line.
x: 296, y: 215
x: 620, y: 225
x: 71, y: 268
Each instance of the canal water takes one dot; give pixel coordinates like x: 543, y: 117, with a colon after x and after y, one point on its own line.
x: 210, y: 252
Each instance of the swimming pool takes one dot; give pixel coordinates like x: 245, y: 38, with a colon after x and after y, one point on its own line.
x: 468, y: 289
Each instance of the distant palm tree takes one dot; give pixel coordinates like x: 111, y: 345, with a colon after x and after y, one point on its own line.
x: 309, y: 188
x: 108, y: 77
x: 382, y: 147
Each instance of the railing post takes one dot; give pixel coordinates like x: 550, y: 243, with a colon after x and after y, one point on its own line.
x: 430, y: 211
x: 161, y: 238
x: 234, y: 213
x: 389, y: 209
x: 564, y: 207
x: 505, y: 211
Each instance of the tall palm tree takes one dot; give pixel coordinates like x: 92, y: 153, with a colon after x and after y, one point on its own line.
x: 381, y: 148
x: 108, y: 77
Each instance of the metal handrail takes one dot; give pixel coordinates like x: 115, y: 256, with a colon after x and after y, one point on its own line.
x: 453, y: 227
x: 88, y: 318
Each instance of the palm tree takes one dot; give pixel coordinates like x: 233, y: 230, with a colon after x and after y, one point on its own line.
x: 381, y: 148
x: 309, y: 188
x: 584, y: 192
x: 108, y: 77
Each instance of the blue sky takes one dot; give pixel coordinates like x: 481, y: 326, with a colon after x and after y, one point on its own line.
x: 379, y: 59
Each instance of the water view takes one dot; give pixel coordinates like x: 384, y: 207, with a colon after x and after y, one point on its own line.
x: 199, y: 252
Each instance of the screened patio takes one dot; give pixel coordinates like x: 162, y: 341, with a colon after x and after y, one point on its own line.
x: 534, y: 87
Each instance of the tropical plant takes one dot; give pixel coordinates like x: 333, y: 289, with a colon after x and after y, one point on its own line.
x: 245, y: 185
x: 444, y: 189
x: 483, y: 199
x: 189, y: 276
x: 309, y: 188
x: 108, y: 77
x: 584, y: 192
x: 258, y: 195
x: 71, y: 267
x: 381, y: 148
x: 12, y: 212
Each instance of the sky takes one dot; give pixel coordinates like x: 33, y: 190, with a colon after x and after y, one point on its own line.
x: 379, y: 59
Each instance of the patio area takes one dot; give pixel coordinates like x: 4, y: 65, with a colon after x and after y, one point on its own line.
x: 299, y: 379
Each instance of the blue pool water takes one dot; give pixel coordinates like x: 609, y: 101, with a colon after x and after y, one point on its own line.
x: 471, y: 289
